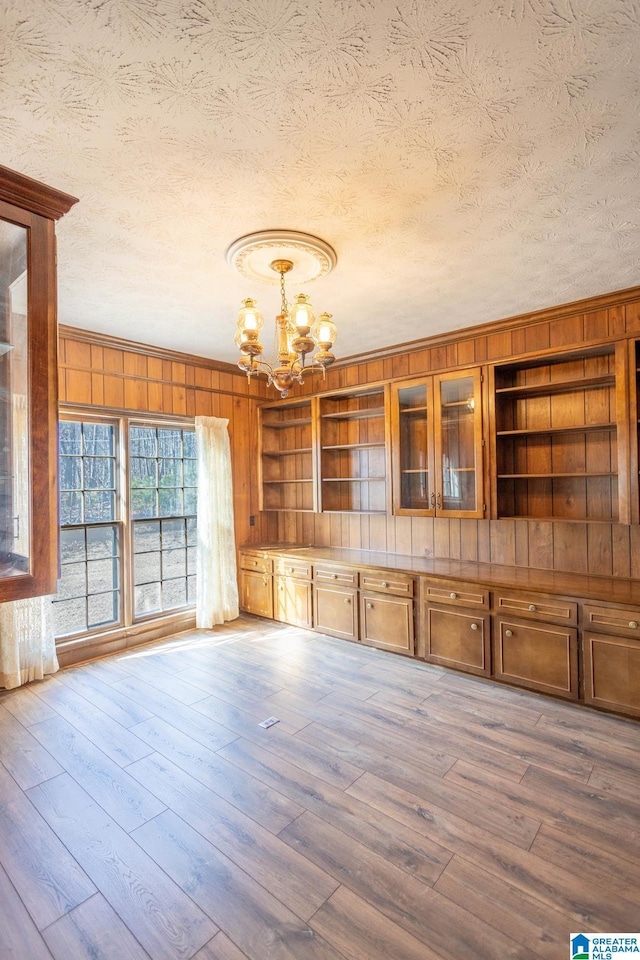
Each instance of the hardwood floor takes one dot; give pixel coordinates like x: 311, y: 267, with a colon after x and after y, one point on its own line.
x: 395, y: 810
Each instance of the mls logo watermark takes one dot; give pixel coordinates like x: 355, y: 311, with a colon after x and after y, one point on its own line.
x: 604, y: 946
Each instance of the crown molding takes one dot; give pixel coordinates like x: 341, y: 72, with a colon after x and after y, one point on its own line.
x: 34, y: 196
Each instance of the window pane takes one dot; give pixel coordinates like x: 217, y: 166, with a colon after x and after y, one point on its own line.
x: 173, y: 533
x: 170, y: 502
x: 174, y: 593
x: 146, y: 567
x: 73, y: 581
x: 174, y: 563
x: 146, y: 536
x: 70, y: 508
x: 71, y: 473
x: 147, y: 598
x: 102, y: 575
x: 143, y: 473
x: 192, y: 532
x: 99, y: 440
x: 189, y: 444
x: 190, y: 473
x: 170, y: 473
x: 191, y: 589
x: 99, y: 505
x: 99, y: 473
x: 102, y: 609
x: 169, y: 443
x: 143, y: 504
x: 190, y: 501
x: 191, y: 560
x: 70, y: 434
x: 101, y: 542
x: 70, y: 616
x: 71, y: 545
x: 142, y: 442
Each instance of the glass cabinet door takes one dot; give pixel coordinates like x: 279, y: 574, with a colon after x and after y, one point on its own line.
x: 414, y: 489
x: 14, y: 402
x: 458, y: 444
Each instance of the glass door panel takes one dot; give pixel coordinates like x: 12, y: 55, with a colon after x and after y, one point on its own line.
x: 15, y: 547
x: 459, y: 444
x: 413, y: 447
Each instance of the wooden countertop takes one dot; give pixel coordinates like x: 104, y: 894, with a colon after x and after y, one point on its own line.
x: 493, y: 575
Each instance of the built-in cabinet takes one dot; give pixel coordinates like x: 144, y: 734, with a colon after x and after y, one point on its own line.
x: 286, y: 457
x: 28, y: 386
x: 437, y: 445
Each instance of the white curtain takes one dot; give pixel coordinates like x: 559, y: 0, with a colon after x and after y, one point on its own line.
x: 217, y: 585
x: 27, y: 642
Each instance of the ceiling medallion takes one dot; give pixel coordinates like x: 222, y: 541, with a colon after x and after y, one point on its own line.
x: 267, y: 257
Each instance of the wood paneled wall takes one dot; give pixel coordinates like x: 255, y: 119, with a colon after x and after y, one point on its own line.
x: 592, y: 549
x: 96, y: 371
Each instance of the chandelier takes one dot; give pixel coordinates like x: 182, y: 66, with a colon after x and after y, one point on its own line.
x: 298, y: 332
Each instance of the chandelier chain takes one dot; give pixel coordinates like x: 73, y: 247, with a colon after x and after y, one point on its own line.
x: 283, y: 295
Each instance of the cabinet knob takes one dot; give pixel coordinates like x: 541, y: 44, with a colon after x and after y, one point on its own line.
x: 347, y: 599
x: 508, y: 633
x: 384, y: 583
x: 255, y: 563
x: 532, y: 607
x: 334, y: 576
x: 281, y: 587
x: 290, y: 569
x: 453, y: 596
x: 369, y: 606
x: 474, y: 626
x: 633, y: 624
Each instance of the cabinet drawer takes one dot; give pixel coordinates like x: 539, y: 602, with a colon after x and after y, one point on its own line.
x: 291, y: 567
x: 539, y: 656
x: 395, y: 583
x: 335, y: 611
x: 458, y: 593
x: 612, y: 620
x: 612, y: 672
x: 457, y: 639
x: 387, y: 622
x: 259, y: 562
x: 536, y: 607
x: 342, y: 576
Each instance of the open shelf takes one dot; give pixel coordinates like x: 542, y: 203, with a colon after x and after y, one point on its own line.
x: 556, y: 387
x: 352, y: 446
x: 363, y: 414
x: 286, y: 453
x: 352, y: 479
x: 284, y: 424
x: 552, y: 476
x: 542, y: 431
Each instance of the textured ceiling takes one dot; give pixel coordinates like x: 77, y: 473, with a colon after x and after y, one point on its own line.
x: 468, y: 159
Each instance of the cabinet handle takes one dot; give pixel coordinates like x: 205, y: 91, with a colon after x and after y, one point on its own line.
x: 453, y: 596
x: 508, y: 633
x: 532, y: 607
x: 433, y: 500
x: 347, y: 599
x: 384, y: 583
x: 369, y: 606
x: 474, y: 626
x: 439, y: 501
x: 633, y: 624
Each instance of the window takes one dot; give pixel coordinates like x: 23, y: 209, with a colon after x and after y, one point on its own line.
x: 127, y: 550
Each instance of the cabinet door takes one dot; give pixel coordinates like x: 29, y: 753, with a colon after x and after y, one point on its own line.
x: 255, y: 593
x: 412, y: 448
x: 458, y: 639
x: 386, y: 622
x: 292, y: 601
x: 612, y: 672
x: 540, y: 656
x: 458, y: 444
x: 335, y: 611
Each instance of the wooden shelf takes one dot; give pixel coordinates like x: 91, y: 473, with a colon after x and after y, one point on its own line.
x: 368, y: 413
x: 412, y: 410
x: 422, y: 470
x: 542, y: 431
x: 352, y: 479
x: 353, y: 446
x: 287, y: 510
x: 560, y: 386
x: 283, y: 424
x: 306, y: 480
x: 376, y: 513
x: 286, y: 453
x: 551, y: 476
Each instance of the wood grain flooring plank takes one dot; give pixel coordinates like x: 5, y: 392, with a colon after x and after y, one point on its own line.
x: 295, y: 881
x: 581, y: 901
x: 220, y: 948
x: 175, y: 687
x: 110, y: 737
x: 616, y: 784
x: 186, y: 719
x: 405, y: 848
x: 247, y: 715
x: 361, y: 932
x: 42, y: 870
x: 161, y: 917
x: 106, y: 782
x: 415, y: 907
x: 523, y: 918
x: 267, y: 807
x: 253, y: 919
x: 93, y: 931
x: 25, y: 706
x: 234, y: 680
x: 26, y: 760
x: 122, y: 709
x: 19, y: 936
x: 107, y: 669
